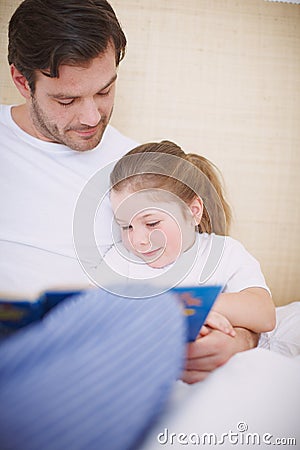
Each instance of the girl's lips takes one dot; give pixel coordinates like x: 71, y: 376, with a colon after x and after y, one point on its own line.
x: 151, y: 253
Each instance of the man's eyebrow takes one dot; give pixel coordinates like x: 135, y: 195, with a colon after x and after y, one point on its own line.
x: 111, y: 81
x: 69, y: 96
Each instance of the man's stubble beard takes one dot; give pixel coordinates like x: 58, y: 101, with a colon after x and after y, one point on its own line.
x: 50, y: 131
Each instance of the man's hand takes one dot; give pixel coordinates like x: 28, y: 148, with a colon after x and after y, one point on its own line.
x: 213, y: 350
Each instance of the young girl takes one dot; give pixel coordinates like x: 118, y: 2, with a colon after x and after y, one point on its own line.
x: 173, y: 218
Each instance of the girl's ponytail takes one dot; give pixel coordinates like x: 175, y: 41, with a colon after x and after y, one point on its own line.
x: 216, y: 216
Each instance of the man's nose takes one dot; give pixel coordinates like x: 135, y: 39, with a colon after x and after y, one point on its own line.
x: 90, y: 114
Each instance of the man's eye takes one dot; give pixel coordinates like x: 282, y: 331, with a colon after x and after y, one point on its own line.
x: 66, y: 103
x: 153, y: 224
x: 104, y: 93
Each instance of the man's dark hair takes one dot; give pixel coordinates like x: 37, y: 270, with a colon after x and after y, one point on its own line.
x: 43, y: 34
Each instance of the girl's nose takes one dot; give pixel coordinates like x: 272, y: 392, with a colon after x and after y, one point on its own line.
x: 141, y: 240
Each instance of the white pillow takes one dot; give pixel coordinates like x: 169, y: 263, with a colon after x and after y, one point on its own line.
x: 285, y: 338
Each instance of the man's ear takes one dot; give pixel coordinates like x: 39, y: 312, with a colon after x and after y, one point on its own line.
x: 196, y: 207
x: 20, y: 82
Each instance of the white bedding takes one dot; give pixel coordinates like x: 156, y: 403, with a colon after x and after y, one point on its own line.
x: 253, y: 398
x: 285, y: 338
x: 257, y: 391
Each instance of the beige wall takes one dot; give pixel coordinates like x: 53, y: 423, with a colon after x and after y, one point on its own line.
x: 221, y: 78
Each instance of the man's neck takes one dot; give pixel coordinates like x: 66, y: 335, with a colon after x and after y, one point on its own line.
x: 21, y: 116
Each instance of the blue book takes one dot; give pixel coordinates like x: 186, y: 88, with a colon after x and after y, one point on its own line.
x: 196, y: 300
x: 15, y: 314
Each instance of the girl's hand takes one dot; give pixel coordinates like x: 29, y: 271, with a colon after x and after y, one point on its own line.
x: 219, y: 322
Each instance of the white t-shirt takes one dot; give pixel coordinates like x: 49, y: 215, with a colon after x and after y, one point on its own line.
x: 40, y: 187
x: 212, y: 260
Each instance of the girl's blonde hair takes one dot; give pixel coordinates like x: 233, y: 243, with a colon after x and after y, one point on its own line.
x: 166, y: 166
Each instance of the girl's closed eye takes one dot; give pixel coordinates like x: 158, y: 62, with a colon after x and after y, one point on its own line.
x: 126, y: 227
x: 153, y: 224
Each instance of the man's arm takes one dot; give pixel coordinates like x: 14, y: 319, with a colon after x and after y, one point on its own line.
x: 213, y: 350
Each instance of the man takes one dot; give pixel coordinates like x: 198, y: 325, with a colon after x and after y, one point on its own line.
x: 98, y: 369
x: 66, y: 70
x: 64, y: 58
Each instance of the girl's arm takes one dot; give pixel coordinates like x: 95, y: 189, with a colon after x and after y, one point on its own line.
x: 251, y: 308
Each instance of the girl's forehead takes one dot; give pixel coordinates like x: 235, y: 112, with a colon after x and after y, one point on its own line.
x: 144, y: 195
x: 126, y: 204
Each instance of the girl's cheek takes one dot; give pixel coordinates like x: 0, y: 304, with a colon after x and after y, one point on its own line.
x: 158, y: 238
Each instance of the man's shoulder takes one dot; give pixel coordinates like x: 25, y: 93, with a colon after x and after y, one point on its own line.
x: 4, y: 107
x: 6, y: 124
x: 4, y: 114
